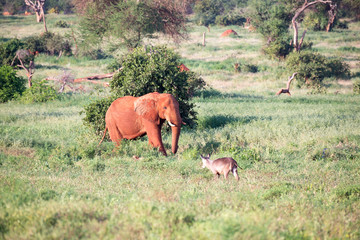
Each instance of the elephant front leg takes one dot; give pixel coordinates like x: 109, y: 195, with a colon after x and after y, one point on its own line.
x: 154, y: 134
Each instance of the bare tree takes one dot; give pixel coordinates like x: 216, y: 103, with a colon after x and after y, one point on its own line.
x: 22, y: 55
x: 296, y: 43
x: 332, y: 16
x: 38, y: 7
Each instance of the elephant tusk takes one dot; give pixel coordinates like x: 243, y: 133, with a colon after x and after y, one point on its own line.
x: 171, y: 124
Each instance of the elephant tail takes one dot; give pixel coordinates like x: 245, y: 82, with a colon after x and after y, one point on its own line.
x: 103, y: 136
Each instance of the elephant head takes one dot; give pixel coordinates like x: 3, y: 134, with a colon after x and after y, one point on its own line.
x: 157, y: 108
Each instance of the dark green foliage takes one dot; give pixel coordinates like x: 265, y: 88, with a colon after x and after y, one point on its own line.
x: 356, y: 87
x: 239, y: 67
x: 62, y: 24
x: 316, y: 21
x: 207, y: 10
x: 131, y: 21
x: 99, y: 167
x: 49, y: 43
x: 39, y: 92
x: 230, y: 19
x: 271, y: 20
x: 338, y: 68
x: 348, y: 192
x: 312, y: 68
x: 95, y: 114
x: 48, y: 194
x: 65, y: 6
x: 157, y: 70
x: 12, y: 6
x: 92, y: 53
x: 8, y: 51
x: 11, y: 85
x: 279, y: 48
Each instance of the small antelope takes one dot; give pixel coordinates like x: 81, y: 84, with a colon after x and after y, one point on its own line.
x: 221, y: 166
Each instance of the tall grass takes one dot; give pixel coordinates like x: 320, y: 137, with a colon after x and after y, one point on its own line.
x: 300, y: 161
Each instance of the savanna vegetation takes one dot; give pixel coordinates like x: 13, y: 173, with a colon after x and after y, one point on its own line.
x: 299, y: 155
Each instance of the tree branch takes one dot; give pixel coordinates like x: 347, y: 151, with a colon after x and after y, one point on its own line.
x: 287, y: 89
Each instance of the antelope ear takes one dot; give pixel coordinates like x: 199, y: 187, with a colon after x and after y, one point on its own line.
x: 146, y: 108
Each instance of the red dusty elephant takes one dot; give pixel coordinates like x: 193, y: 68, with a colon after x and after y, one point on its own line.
x: 131, y: 117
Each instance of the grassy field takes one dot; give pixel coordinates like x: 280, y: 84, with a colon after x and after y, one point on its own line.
x: 300, y: 155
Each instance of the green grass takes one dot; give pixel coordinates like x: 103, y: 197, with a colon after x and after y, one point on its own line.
x: 300, y: 155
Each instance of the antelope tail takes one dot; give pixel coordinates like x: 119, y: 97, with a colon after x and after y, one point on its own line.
x: 238, y: 166
x: 103, y: 136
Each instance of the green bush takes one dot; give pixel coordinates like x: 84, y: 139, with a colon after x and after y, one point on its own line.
x: 348, y: 192
x: 39, y: 92
x: 62, y: 24
x: 356, y: 87
x: 143, y: 71
x: 230, y: 19
x: 239, y: 67
x: 338, y: 68
x: 95, y: 114
x: 279, y: 48
x: 10, y: 85
x: 49, y: 43
x: 312, y: 68
x: 206, y: 11
x: 8, y: 51
x: 315, y: 21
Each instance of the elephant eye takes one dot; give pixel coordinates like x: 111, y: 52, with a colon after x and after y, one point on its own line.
x: 165, y: 107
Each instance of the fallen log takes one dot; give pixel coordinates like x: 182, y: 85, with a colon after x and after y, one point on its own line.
x: 95, y: 77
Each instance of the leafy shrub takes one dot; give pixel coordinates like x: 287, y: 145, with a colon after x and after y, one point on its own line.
x: 206, y: 11
x: 246, y: 68
x: 8, y: 51
x: 143, y: 72
x: 39, y: 92
x: 94, y: 54
x: 49, y: 43
x: 270, y: 20
x: 53, y: 10
x: 315, y: 21
x: 10, y: 84
x: 356, y: 87
x: 352, y: 191
x: 279, y: 48
x: 62, y: 24
x: 56, y: 43
x: 312, y: 68
x: 95, y: 114
x: 230, y: 19
x: 338, y: 68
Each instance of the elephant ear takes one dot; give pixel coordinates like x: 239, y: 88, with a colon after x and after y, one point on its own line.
x: 146, y: 108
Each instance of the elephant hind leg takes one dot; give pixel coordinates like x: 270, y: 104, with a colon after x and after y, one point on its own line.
x: 115, y: 135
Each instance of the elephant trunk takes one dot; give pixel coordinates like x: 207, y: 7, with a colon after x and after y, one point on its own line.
x: 175, y: 138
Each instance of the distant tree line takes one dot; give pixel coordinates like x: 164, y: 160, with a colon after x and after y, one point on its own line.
x: 54, y: 6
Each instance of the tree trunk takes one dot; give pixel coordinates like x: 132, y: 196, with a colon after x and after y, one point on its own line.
x: 332, y: 16
x: 39, y: 17
x: 43, y: 17
x: 296, y: 15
